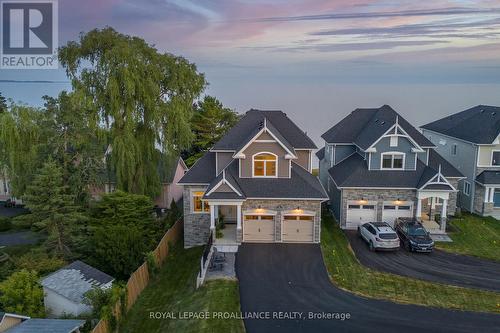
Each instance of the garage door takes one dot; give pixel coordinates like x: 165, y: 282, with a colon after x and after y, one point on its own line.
x: 392, y: 212
x: 359, y: 214
x: 258, y: 228
x: 298, y: 228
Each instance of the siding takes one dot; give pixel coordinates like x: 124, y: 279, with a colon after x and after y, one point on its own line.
x: 272, y: 147
x: 58, y: 305
x: 464, y: 161
x: 303, y: 159
x: 404, y: 146
x: 484, y: 155
x: 342, y: 152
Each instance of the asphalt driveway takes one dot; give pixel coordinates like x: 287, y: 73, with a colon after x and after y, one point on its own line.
x: 439, y: 266
x: 293, y: 278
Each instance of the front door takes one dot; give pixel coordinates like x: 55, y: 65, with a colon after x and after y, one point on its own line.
x: 496, y: 198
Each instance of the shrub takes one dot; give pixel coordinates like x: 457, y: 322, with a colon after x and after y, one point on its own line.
x: 39, y: 261
x: 5, y: 224
x: 22, y: 293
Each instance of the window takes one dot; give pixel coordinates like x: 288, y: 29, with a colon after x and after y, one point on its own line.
x: 354, y: 206
x: 394, y: 141
x: 299, y: 218
x: 466, y: 188
x: 495, y: 158
x: 390, y: 207
x: 404, y: 207
x: 264, y: 165
x: 393, y: 161
x: 368, y: 207
x: 453, y: 149
x: 199, y: 206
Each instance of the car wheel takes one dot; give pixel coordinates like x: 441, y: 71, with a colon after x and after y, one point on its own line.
x: 372, y: 248
x: 359, y: 232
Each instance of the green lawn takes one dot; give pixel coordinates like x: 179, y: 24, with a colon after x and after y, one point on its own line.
x: 174, y: 291
x: 476, y: 236
x: 347, y: 273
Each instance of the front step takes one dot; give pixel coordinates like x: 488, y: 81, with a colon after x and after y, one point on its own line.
x: 227, y: 248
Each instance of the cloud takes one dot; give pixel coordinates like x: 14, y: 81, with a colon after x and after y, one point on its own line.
x: 383, y: 14
x: 342, y: 47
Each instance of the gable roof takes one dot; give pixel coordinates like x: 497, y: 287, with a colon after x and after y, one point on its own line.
x: 75, y: 279
x: 479, y: 124
x: 301, y: 185
x: 363, y: 127
x: 47, y: 326
x: 252, y: 122
x: 202, y: 171
x: 353, y: 172
x: 320, y: 153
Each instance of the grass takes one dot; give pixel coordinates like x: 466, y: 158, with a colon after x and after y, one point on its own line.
x: 347, y: 273
x: 173, y: 291
x: 476, y: 236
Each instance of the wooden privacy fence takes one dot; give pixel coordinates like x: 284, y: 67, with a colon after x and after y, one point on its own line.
x: 140, y: 278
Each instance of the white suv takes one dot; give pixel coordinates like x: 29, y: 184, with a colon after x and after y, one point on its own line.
x: 379, y: 236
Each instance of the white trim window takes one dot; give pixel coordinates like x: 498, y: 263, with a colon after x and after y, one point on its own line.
x: 392, y: 161
x: 265, y: 164
x: 197, y: 204
x: 466, y: 188
x: 495, y: 158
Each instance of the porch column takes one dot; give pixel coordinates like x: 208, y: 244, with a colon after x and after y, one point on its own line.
x: 238, y: 216
x: 486, y: 194
x: 212, y: 217
x: 419, y: 209
x: 492, y: 194
x: 443, y: 215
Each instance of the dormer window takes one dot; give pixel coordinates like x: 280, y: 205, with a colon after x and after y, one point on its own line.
x: 391, y: 161
x: 265, y: 165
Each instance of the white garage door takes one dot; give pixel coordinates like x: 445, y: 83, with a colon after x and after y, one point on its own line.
x: 258, y: 228
x: 298, y: 228
x: 359, y: 214
x: 392, y: 212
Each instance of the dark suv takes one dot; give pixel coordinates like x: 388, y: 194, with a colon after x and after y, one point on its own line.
x: 413, y: 235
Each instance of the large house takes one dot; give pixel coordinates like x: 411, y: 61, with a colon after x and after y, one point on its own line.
x: 376, y: 166
x: 258, y: 179
x: 470, y: 140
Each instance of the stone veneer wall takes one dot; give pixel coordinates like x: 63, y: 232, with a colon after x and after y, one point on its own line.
x: 196, y: 225
x: 284, y: 205
x: 376, y: 195
x: 481, y: 207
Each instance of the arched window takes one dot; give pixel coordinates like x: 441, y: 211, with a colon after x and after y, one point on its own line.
x: 265, y: 165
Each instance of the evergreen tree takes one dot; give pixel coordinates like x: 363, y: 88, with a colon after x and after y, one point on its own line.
x: 210, y: 121
x: 52, y: 207
x: 3, y: 103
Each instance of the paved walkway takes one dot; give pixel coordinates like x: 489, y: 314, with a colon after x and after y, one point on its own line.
x: 293, y: 278
x: 228, y: 271
x: 438, y: 266
x: 18, y: 238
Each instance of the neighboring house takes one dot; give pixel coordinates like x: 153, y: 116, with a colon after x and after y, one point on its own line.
x: 65, y: 289
x: 470, y: 140
x: 258, y: 177
x: 12, y: 323
x: 376, y: 166
x: 170, y: 172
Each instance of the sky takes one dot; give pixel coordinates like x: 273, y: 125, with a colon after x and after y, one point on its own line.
x: 315, y: 60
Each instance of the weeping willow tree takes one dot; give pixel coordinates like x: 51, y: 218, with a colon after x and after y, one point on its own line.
x: 20, y: 138
x: 143, y: 97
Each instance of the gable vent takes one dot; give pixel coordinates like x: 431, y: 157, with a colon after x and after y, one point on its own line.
x: 481, y: 111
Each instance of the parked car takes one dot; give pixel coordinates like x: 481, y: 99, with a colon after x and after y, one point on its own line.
x: 413, y: 235
x: 379, y: 236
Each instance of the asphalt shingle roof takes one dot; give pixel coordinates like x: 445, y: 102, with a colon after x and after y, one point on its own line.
x: 480, y: 124
x: 353, y: 172
x: 47, y: 326
x: 489, y: 177
x: 320, y: 153
x: 75, y: 279
x: 253, y: 119
x: 363, y: 127
x: 202, y: 172
x: 301, y: 184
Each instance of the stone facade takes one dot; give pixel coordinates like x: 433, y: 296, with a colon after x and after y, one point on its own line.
x: 196, y: 225
x: 481, y: 207
x: 281, y: 206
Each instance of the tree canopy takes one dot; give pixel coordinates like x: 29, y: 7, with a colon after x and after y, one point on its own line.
x: 142, y: 96
x: 22, y: 293
x: 210, y: 121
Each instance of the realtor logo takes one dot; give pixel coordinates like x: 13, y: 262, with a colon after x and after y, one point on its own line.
x: 29, y: 34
